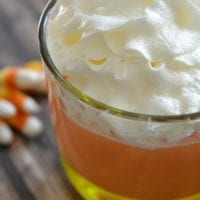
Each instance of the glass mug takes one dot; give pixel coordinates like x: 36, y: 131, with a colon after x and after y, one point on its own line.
x: 111, y: 154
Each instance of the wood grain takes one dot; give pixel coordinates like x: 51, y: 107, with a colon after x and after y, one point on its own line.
x: 6, y: 189
x: 29, y: 169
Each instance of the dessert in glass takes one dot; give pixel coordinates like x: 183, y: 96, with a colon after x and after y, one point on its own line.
x: 123, y: 81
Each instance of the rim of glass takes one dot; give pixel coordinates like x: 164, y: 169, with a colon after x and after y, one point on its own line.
x: 85, y: 98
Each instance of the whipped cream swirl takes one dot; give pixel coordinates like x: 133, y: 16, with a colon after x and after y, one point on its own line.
x: 137, y: 55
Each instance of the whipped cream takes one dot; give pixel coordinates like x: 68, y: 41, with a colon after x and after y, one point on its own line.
x: 139, y: 56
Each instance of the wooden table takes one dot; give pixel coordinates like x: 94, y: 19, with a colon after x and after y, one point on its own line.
x: 29, y: 169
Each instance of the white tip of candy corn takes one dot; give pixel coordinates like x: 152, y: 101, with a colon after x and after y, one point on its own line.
x: 6, y: 134
x: 31, y: 80
x: 41, y: 86
x: 32, y: 127
x: 7, y: 109
x: 26, y: 79
x: 31, y: 106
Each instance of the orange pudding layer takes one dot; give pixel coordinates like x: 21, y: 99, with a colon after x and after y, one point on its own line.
x: 130, y: 171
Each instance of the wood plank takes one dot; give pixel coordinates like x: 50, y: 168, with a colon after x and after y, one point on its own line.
x: 18, y: 30
x: 34, y: 174
x: 14, y: 177
x: 36, y: 6
x: 9, y: 55
x: 7, y: 192
x: 19, y: 22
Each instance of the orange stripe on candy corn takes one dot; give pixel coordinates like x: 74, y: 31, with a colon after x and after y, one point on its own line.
x: 2, y: 120
x: 10, y: 77
x: 27, y: 124
x: 18, y: 121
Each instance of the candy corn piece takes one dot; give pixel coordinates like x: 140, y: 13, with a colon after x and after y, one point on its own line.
x: 7, y: 109
x: 6, y: 134
x: 29, y: 125
x: 20, y: 100
x: 23, y: 78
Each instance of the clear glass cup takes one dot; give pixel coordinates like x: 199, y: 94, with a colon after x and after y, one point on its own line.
x: 111, y: 154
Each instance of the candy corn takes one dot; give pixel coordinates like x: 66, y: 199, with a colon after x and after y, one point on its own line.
x: 6, y: 134
x: 15, y: 106
x: 23, y: 78
x: 20, y: 100
x: 30, y: 126
x: 7, y: 109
